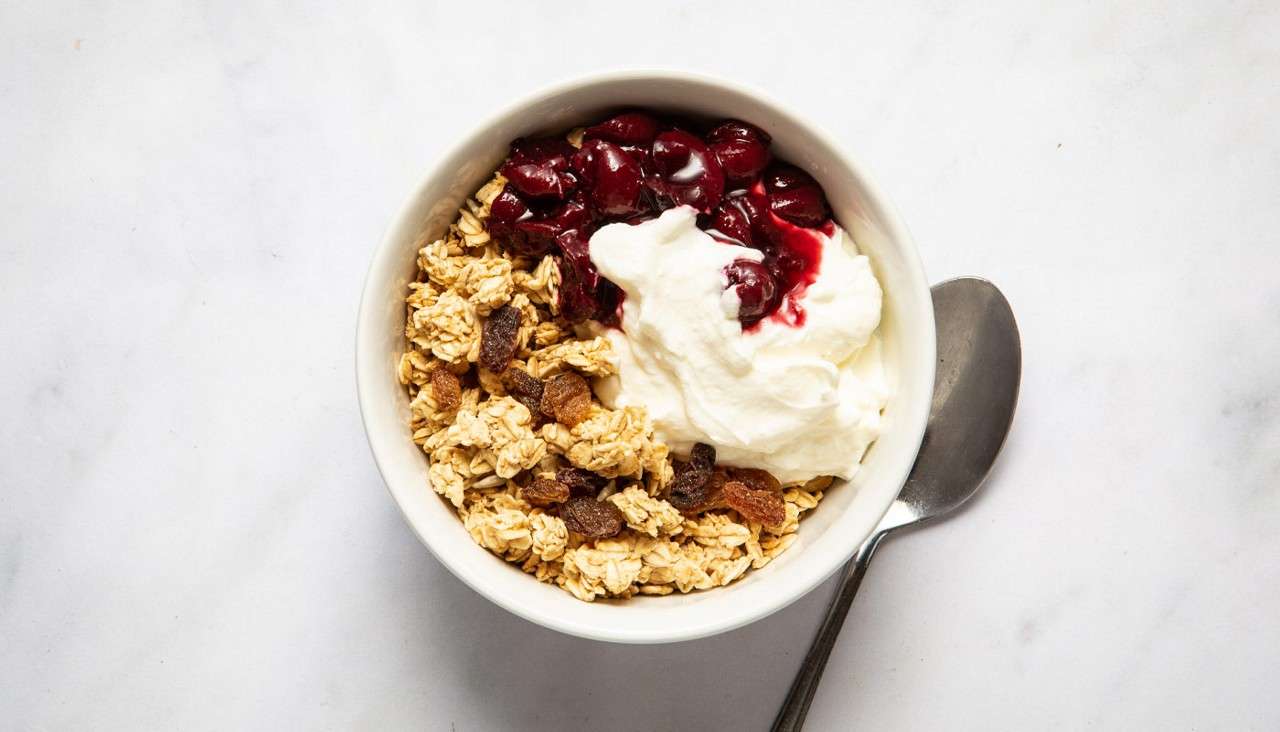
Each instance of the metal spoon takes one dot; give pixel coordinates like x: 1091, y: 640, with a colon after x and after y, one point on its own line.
x: 974, y: 394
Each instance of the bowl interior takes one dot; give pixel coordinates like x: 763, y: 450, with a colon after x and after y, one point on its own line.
x: 828, y: 536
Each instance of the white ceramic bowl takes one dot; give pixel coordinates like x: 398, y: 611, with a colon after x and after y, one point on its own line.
x: 828, y: 536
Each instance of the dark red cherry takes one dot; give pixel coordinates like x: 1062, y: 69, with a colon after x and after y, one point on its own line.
x: 533, y: 238
x: 613, y: 177
x: 578, y: 278
x: 507, y: 209
x: 509, y: 216
x: 609, y: 299
x: 735, y: 129
x: 756, y: 289
x: 788, y: 265
x: 785, y: 177
x: 552, y: 151
x: 688, y: 173
x: 539, y: 180
x: 673, y: 154
x: 573, y: 214
x: 628, y: 128
x: 764, y: 233
x: 535, y: 235
x: 804, y: 206
x: 742, y: 160
x: 539, y: 169
x: 732, y: 221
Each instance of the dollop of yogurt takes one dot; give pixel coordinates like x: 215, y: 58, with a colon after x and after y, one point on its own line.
x: 798, y: 401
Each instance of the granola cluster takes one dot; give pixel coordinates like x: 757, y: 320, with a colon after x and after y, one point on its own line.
x: 540, y: 472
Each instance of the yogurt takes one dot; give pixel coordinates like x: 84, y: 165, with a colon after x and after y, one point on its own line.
x: 796, y: 400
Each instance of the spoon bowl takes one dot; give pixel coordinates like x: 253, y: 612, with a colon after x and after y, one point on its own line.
x: 975, y: 393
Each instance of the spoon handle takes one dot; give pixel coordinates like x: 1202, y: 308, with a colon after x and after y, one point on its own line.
x: 791, y: 717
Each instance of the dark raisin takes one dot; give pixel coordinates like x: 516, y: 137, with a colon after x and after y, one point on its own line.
x: 446, y: 389
x: 525, y: 389
x: 702, y: 455
x: 697, y: 483
x: 581, y: 482
x: 470, y: 379
x: 498, y: 339
x: 567, y: 398
x: 765, y: 507
x: 591, y: 518
x: 545, y: 491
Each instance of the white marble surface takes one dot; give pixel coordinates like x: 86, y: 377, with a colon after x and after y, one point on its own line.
x: 193, y: 534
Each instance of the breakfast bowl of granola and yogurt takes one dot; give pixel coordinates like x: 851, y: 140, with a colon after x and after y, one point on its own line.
x: 645, y: 358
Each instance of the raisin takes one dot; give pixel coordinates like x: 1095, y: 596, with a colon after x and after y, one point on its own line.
x: 765, y: 507
x: 545, y: 491
x: 581, y: 482
x: 703, y: 455
x: 591, y: 518
x: 695, y: 489
x: 688, y: 490
x: 498, y: 338
x: 567, y: 398
x: 446, y: 389
x: 470, y: 378
x: 756, y: 479
x: 525, y: 389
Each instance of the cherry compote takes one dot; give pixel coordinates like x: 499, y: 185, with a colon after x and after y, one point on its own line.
x: 635, y: 165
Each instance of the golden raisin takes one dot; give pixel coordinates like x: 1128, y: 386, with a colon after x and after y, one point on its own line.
x: 498, y: 338
x: 761, y: 480
x: 545, y: 491
x: 446, y: 389
x: 567, y: 398
x: 765, y: 507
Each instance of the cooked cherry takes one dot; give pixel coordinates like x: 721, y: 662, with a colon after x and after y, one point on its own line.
x: 764, y: 232
x: 539, y: 181
x: 788, y: 264
x: 552, y: 151
x: 742, y: 160
x: 533, y: 238
x: 785, y: 177
x: 688, y: 173
x: 573, y: 214
x: 578, y: 278
x: 609, y: 299
x: 735, y: 129
x: 732, y: 221
x: 628, y: 128
x: 584, y: 294
x: 613, y: 177
x: 627, y: 171
x: 507, y: 208
x: 679, y: 155
x: 756, y: 288
x: 803, y: 206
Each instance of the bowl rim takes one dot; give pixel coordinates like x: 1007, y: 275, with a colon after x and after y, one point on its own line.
x: 366, y: 370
